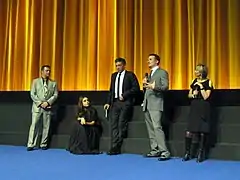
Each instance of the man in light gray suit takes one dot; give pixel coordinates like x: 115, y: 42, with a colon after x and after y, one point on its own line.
x: 44, y: 93
x: 153, y: 103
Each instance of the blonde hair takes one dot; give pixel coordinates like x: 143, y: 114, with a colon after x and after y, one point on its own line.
x: 204, y: 70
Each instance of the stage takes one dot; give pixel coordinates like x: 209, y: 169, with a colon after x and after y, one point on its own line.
x: 78, y: 41
x: 17, y: 163
x: 15, y: 110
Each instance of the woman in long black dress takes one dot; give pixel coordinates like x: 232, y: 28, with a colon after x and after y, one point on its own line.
x: 86, y: 132
x: 200, y: 113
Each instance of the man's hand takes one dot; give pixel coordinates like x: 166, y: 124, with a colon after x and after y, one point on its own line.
x: 150, y: 85
x: 90, y: 123
x: 106, y: 106
x: 121, y: 98
x: 145, y: 81
x: 44, y: 105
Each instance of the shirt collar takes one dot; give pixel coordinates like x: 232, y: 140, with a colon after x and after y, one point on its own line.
x: 123, y: 72
x: 44, y: 80
x: 154, y: 68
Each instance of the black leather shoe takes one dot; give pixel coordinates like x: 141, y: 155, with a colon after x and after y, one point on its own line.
x: 164, y: 158
x: 44, y: 148
x: 150, y: 155
x: 96, y: 152
x: 114, y: 151
x: 30, y: 148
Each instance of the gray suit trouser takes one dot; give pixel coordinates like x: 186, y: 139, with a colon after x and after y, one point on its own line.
x: 34, y: 128
x: 155, y: 132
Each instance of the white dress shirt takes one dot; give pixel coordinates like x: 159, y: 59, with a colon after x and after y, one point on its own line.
x: 153, y: 70
x: 121, y: 84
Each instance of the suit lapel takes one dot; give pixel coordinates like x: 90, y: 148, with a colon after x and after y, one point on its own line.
x: 40, y: 81
x: 124, y: 80
x: 155, y: 73
x: 113, y: 82
x: 49, y: 84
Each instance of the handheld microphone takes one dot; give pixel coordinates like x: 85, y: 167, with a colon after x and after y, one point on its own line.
x: 146, y: 76
x: 195, y: 89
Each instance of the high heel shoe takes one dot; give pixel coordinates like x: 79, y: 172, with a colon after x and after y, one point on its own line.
x: 201, y: 156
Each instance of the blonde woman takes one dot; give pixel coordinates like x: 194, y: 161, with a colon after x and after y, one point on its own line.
x: 200, y: 113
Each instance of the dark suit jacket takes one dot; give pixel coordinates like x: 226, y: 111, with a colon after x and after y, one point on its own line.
x: 130, y: 87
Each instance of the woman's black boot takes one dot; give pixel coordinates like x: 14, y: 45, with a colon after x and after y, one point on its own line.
x: 188, y: 143
x: 201, y: 151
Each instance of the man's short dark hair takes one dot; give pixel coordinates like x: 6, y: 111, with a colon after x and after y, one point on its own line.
x: 47, y: 66
x: 122, y: 60
x: 157, y: 57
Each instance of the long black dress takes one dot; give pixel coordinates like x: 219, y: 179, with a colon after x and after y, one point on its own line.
x: 84, y: 139
x: 200, y: 110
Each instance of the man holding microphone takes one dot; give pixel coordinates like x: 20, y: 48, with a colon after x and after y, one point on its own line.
x: 153, y: 107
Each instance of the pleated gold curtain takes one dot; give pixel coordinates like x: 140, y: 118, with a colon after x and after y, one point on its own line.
x: 81, y: 38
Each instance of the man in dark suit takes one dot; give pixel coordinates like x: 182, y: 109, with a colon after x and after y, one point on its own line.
x: 153, y: 109
x: 124, y: 86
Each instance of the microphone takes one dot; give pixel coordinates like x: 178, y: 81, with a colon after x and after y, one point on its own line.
x: 195, y: 89
x: 146, y: 76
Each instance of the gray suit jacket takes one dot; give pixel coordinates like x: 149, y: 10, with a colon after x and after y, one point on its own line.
x: 37, y: 93
x: 153, y: 99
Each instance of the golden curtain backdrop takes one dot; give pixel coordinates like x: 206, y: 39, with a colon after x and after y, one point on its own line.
x: 81, y: 38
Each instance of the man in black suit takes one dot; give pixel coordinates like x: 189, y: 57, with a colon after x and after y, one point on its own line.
x: 123, y: 88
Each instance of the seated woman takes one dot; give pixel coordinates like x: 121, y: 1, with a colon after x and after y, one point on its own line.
x: 86, y: 133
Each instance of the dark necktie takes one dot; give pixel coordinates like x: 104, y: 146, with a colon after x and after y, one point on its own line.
x: 150, y: 76
x: 118, y: 85
x: 45, y: 88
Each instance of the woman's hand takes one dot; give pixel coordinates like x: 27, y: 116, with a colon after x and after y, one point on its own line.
x: 82, y: 121
x: 195, y: 92
x: 199, y: 84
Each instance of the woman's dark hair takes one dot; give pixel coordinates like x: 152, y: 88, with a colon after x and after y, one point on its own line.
x: 204, y: 71
x: 80, y: 104
x: 81, y: 109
